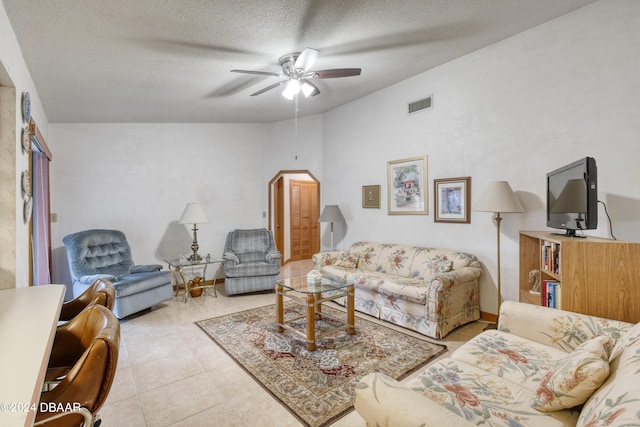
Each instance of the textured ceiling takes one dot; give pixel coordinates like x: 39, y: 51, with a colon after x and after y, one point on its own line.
x: 170, y: 61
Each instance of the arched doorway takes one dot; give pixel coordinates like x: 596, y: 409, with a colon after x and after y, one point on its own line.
x: 294, y: 208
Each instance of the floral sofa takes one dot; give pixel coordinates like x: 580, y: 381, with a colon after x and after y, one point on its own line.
x: 431, y: 291
x: 542, y: 367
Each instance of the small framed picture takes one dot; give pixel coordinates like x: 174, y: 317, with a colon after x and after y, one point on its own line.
x: 371, y: 196
x: 452, y: 199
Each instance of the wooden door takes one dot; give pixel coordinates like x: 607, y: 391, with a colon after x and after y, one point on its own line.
x: 303, y: 219
x: 279, y: 225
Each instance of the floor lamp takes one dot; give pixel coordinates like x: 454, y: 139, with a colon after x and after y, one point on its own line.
x: 194, y: 214
x: 331, y: 213
x: 498, y: 198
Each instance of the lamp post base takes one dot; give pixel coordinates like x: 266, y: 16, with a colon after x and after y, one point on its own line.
x: 195, y: 257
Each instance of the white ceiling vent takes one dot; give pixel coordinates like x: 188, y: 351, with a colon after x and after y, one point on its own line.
x: 421, y: 104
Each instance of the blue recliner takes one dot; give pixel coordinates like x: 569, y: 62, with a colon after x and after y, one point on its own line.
x: 106, y: 254
x: 252, y: 261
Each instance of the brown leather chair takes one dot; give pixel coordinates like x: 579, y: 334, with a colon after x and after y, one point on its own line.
x: 101, y: 292
x: 91, y: 340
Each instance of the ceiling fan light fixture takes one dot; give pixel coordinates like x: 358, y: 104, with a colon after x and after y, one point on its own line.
x: 296, y: 72
x: 307, y: 89
x: 291, y: 89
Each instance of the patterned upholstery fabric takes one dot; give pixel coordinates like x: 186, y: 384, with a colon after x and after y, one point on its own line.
x: 429, y: 290
x: 106, y: 254
x: 252, y: 262
x: 575, y: 377
x: 493, y: 379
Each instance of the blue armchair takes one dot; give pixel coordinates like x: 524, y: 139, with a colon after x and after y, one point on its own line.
x: 106, y: 254
x: 252, y: 261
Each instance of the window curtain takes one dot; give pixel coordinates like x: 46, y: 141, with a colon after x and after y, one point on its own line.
x: 41, y: 227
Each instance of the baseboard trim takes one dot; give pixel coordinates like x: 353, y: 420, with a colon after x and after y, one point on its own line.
x: 489, y: 317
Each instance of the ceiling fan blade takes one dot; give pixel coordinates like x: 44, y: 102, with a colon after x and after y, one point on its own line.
x: 335, y: 73
x: 273, y: 86
x: 260, y: 73
x: 316, y: 91
x: 306, y: 59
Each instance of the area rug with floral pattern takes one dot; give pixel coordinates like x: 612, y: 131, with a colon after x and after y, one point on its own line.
x: 315, y: 386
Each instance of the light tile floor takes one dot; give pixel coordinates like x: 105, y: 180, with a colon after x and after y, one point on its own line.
x: 170, y: 373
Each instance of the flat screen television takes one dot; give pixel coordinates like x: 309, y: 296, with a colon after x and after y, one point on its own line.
x: 572, y: 197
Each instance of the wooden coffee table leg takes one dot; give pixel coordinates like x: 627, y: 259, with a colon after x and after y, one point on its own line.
x: 311, y: 322
x: 318, y: 307
x: 279, y: 308
x: 351, y: 318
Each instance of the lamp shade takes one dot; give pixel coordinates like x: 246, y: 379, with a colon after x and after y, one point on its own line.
x: 194, y: 214
x: 498, y: 197
x: 331, y: 213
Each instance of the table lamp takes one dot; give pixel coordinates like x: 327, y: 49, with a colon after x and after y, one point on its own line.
x: 194, y: 214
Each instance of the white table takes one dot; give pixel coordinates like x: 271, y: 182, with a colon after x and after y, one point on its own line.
x: 28, y: 320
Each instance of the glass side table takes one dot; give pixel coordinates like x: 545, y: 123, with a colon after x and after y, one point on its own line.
x: 178, y: 267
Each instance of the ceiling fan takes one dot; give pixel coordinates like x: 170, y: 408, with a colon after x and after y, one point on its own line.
x: 297, y: 74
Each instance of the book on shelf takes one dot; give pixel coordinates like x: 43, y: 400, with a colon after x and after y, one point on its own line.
x: 551, y: 256
x: 551, y: 294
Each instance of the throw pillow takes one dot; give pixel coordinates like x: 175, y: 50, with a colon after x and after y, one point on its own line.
x: 628, y: 338
x: 347, y: 259
x: 441, y: 265
x: 574, y: 378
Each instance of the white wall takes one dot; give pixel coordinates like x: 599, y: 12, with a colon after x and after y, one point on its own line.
x: 515, y: 111
x: 14, y: 235
x: 138, y: 178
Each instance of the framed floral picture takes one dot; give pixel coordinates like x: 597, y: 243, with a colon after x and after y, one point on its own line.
x: 452, y: 199
x: 371, y: 196
x: 407, y: 186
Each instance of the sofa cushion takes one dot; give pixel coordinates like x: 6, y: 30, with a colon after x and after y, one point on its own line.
x: 336, y: 273
x: 251, y: 257
x: 575, y: 377
x: 631, y: 337
x: 250, y: 241
x: 139, y: 282
x: 388, y: 285
x: 483, y: 398
x: 252, y: 269
x: 92, y: 252
x: 615, y: 403
x: 368, y: 254
x: 145, y: 268
x: 401, y: 288
x: 429, y: 262
x: 93, y: 277
x: 517, y: 359
x: 396, y: 260
x: 347, y: 259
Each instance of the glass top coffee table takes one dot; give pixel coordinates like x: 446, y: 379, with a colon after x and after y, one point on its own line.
x: 312, y: 296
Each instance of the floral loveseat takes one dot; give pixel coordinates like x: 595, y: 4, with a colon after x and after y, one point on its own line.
x: 431, y: 291
x: 542, y: 367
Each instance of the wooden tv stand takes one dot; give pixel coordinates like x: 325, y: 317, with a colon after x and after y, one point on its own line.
x: 599, y: 277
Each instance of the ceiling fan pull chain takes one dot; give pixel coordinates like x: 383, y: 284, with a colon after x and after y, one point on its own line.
x: 295, y: 123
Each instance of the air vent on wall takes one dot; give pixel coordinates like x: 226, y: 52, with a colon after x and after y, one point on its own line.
x: 421, y: 104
